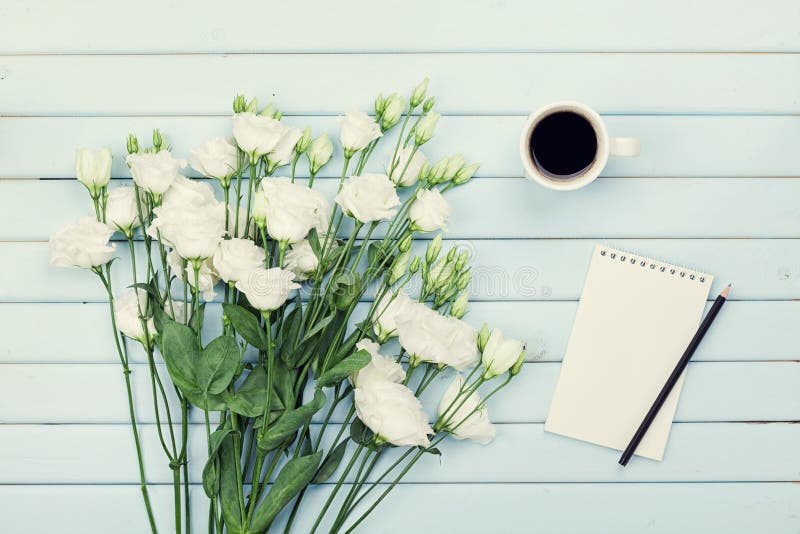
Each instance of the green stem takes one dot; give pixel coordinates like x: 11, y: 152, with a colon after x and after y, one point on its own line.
x: 338, y: 485
x: 250, y: 189
x: 123, y: 358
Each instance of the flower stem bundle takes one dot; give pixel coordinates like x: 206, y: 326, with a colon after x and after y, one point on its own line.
x: 332, y: 328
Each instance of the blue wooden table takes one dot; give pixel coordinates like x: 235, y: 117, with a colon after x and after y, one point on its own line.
x: 712, y: 89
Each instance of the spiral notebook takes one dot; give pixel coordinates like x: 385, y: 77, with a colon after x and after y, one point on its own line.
x: 635, y: 318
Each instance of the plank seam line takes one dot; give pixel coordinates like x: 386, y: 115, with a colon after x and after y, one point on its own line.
x: 407, y: 52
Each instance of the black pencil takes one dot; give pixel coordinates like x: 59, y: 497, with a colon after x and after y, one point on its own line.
x: 673, y: 378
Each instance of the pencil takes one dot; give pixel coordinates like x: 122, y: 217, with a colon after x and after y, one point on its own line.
x: 673, y: 378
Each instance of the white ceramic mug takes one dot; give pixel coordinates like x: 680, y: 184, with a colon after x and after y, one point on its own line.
x: 606, y: 146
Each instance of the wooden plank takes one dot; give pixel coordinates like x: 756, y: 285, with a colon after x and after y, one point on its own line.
x: 714, y: 391
x: 80, y: 333
x: 697, y: 452
x: 44, y: 147
x: 512, y: 208
x: 723, y: 507
x: 505, y: 269
x: 465, y: 83
x: 512, y: 26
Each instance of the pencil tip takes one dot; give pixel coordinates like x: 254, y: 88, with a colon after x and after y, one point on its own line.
x: 726, y: 291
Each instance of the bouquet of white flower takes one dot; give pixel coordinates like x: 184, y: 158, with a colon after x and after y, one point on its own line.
x: 298, y: 386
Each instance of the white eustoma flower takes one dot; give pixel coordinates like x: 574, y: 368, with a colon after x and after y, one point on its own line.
x: 81, y: 245
x: 380, y: 367
x: 154, y: 172
x: 267, y: 289
x: 500, y: 354
x: 404, y: 172
x: 457, y: 417
x: 283, y: 152
x: 287, y: 209
x: 358, y: 129
x: 319, y: 153
x: 257, y: 135
x: 216, y: 158
x: 122, y: 212
x: 391, y: 306
x: 429, y: 211
x: 322, y: 210
x: 128, y: 309
x: 425, y: 128
x: 193, y: 231
x: 235, y: 258
x: 393, y: 413
x: 93, y: 168
x: 431, y: 337
x: 187, y: 192
x: 207, y: 277
x: 368, y: 198
x: 301, y: 260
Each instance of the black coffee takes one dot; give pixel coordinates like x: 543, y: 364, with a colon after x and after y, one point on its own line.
x: 563, y: 144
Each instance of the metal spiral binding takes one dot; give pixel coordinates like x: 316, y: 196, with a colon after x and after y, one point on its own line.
x: 682, y: 273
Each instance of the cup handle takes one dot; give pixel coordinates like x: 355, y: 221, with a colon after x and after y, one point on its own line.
x: 623, y: 146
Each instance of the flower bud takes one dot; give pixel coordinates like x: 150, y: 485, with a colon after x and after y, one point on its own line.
x: 405, y: 243
x: 418, y: 94
x: 483, y: 337
x: 440, y: 273
x: 304, y: 142
x: 319, y: 153
x: 268, y: 111
x: 432, y: 252
x: 517, y: 367
x: 451, y: 253
x: 392, y: 112
x: 463, y: 256
x: 239, y: 104
x: 425, y: 128
x: 428, y: 105
x: 133, y: 144
x: 463, y: 280
x: 464, y: 175
x: 436, y: 174
x: 380, y: 104
x: 278, y: 115
x: 414, y: 267
x: 399, y: 267
x: 459, y: 307
x: 252, y: 106
x: 423, y: 172
x: 158, y: 140
x: 454, y: 164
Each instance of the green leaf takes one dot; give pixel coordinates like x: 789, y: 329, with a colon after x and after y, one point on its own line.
x: 215, y: 368
x: 180, y: 352
x: 317, y: 328
x: 229, y: 487
x: 330, y: 464
x: 214, y: 403
x: 290, y: 332
x: 211, y: 469
x: 344, y: 368
x: 313, y: 240
x: 247, y: 325
x: 359, y: 432
x: 283, y: 382
x: 251, y: 397
x: 294, y: 476
x: 288, y: 423
x: 196, y: 321
x: 344, y: 289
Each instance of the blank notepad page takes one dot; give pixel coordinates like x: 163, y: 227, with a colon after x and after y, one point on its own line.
x: 634, y: 321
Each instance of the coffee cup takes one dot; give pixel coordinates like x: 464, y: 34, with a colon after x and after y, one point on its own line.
x: 565, y: 146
